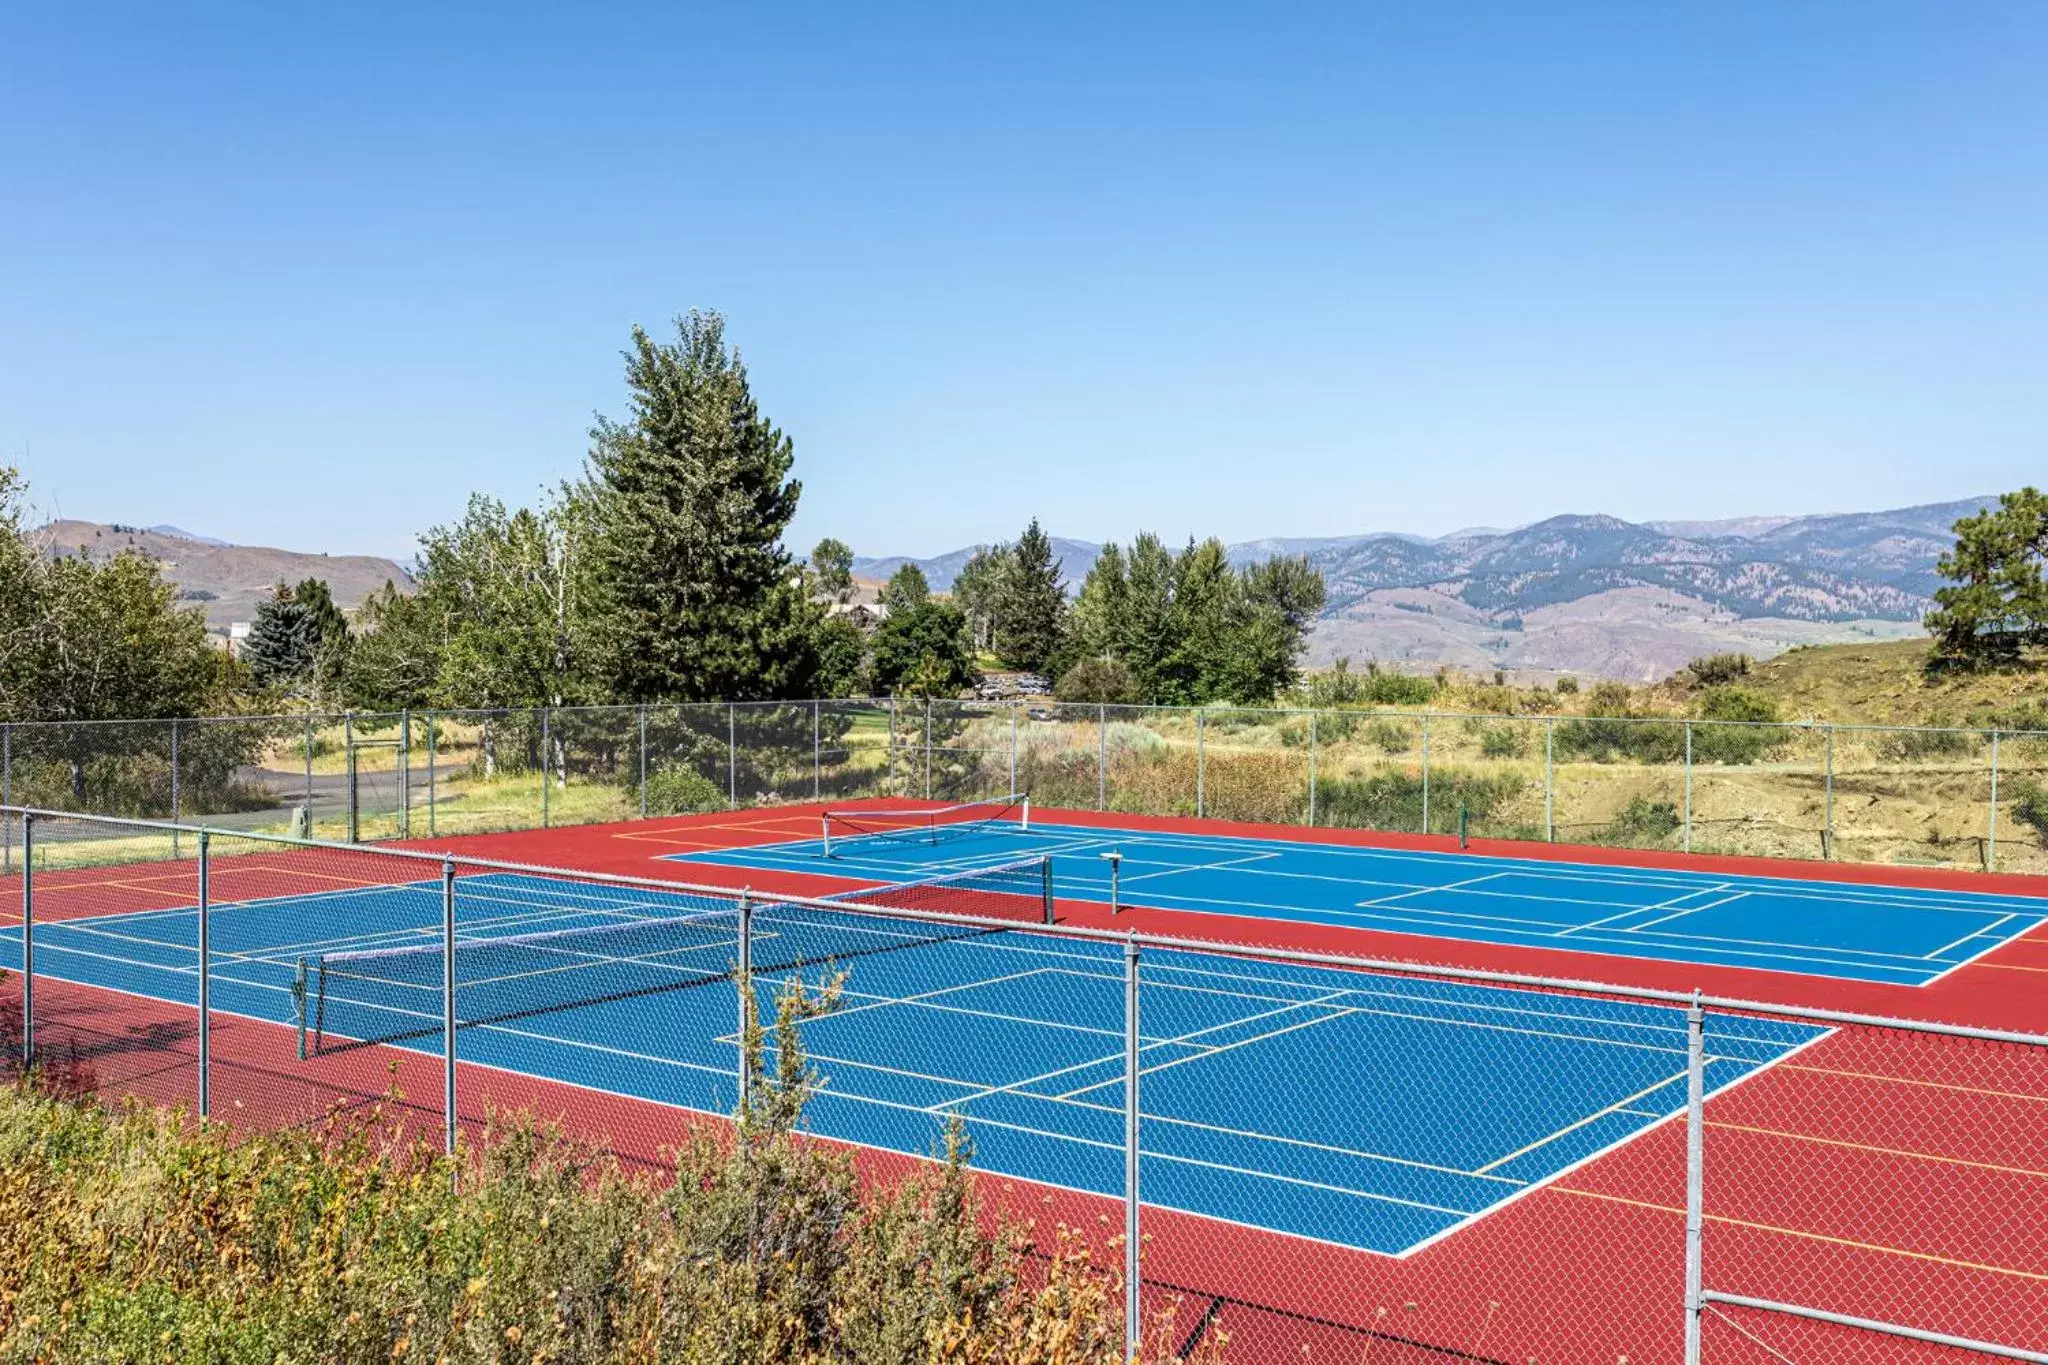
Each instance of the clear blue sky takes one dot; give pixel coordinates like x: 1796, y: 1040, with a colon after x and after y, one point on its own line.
x: 306, y: 275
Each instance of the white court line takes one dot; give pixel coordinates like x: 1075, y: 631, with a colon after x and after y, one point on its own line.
x: 1178, y: 869
x: 1490, y: 1166
x: 1990, y: 928
x: 1643, y: 910
x: 1690, y: 910
x: 1421, y: 890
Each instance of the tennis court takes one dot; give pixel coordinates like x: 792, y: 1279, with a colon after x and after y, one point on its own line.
x: 1374, y: 1112
x: 1902, y: 935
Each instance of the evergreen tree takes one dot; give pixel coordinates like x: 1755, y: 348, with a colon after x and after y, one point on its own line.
x: 1102, y: 613
x: 1998, y: 603
x: 906, y: 591
x: 696, y: 596
x: 979, y: 589
x: 1032, y: 615
x: 282, y: 642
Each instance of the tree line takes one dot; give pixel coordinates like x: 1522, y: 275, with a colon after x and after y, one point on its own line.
x: 659, y: 574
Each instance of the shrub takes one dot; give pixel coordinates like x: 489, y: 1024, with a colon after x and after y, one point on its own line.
x: 1641, y: 822
x: 1749, y: 741
x: 1101, y: 680
x: 1503, y: 741
x: 2030, y: 807
x: 1716, y: 670
x: 1567, y: 685
x: 133, y: 1234
x: 1393, y: 736
x: 683, y: 791
x: 1924, y: 744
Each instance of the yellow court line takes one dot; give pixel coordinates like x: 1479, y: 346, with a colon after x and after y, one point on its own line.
x: 1881, y: 1151
x: 2014, y: 1271
x: 1908, y: 1080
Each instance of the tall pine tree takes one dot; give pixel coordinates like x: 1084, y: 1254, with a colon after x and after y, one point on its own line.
x: 697, y: 598
x: 1031, y: 620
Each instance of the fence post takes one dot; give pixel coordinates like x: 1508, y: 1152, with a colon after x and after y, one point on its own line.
x: 1827, y: 838
x: 643, y: 760
x: 890, y: 786
x: 927, y: 748
x: 1695, y: 1160
x: 1101, y: 756
x: 433, y: 791
x: 176, y: 840
x: 1425, y: 772
x: 309, y: 773
x: 348, y: 760
x: 1201, y: 760
x: 6, y: 797
x: 1311, y: 769
x: 1688, y: 786
x: 1013, y: 748
x: 749, y: 1006
x: 817, y: 754
x: 28, y: 941
x: 547, y: 739
x: 448, y: 1003
x: 1991, y: 845
x: 405, y: 773
x: 1133, y: 1327
x: 732, y: 756
x: 205, y: 971
x: 1549, y: 782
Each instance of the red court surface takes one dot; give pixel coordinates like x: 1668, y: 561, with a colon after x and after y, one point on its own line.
x: 1878, y: 1174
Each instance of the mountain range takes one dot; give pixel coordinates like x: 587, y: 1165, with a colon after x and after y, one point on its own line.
x: 1597, y: 595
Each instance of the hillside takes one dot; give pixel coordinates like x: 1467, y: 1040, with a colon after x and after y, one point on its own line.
x: 227, y: 580
x: 1888, y: 684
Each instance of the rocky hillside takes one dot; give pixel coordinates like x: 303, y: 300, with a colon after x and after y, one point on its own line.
x: 227, y: 580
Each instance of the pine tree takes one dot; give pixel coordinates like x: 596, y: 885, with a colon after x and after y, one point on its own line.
x: 1998, y: 603
x: 906, y: 591
x: 282, y: 641
x: 696, y: 596
x: 1032, y: 616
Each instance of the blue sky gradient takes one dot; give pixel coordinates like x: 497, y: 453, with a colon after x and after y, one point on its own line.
x: 307, y: 275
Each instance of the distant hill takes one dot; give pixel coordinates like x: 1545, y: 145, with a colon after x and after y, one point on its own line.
x: 227, y: 580
x: 1600, y: 596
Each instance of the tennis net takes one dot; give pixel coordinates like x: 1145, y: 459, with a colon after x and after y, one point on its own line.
x: 392, y: 995
x: 926, y: 825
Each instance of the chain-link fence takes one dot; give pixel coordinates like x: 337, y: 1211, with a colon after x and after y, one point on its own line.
x: 1293, y: 1156
x: 1940, y: 796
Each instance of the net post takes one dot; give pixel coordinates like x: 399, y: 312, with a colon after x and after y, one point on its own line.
x: 448, y: 1004
x: 749, y: 1007
x: 1115, y: 859
x: 1133, y: 1326
x: 299, y: 1003
x: 825, y: 831
x: 1045, y: 879
x: 1024, y: 814
x: 1695, y: 1183
x: 205, y: 971
x: 28, y: 941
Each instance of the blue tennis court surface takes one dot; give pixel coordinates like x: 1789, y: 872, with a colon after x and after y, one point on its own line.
x: 1371, y: 1111
x: 1908, y: 936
